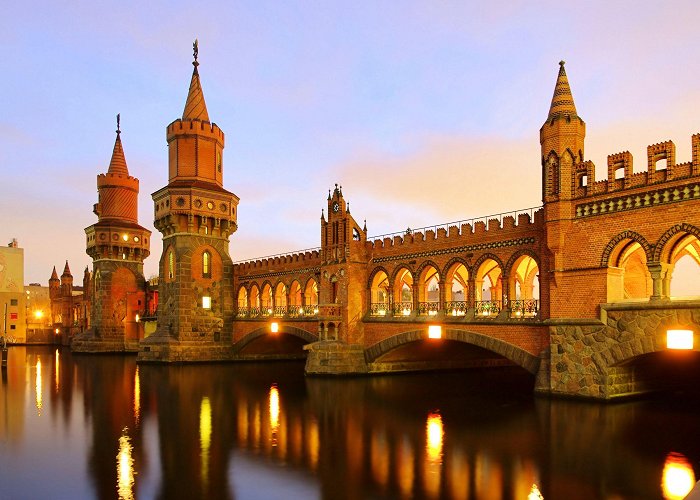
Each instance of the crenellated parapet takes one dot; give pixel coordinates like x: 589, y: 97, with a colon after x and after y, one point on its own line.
x: 204, y: 129
x: 663, y: 181
x: 475, y: 232
x: 277, y: 263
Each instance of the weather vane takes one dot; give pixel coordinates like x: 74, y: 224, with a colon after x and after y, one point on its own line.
x: 118, y: 130
x: 195, y: 50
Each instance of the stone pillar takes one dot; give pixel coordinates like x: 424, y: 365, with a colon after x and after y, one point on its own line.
x: 660, y: 283
x: 415, y: 297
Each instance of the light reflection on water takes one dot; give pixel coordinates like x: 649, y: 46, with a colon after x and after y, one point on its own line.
x: 178, y: 428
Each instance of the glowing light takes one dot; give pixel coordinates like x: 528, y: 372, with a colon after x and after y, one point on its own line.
x: 434, y: 436
x: 316, y: 310
x: 434, y: 332
x: 301, y: 311
x: 381, y: 312
x: 679, y: 339
x: 38, y: 314
x: 274, y: 413
x: 56, y: 331
x: 485, y: 313
x: 205, y: 436
x: 432, y: 313
x: 37, y: 387
x: 535, y: 493
x: 125, y: 468
x: 137, y: 396
x: 678, y: 477
x: 274, y: 327
x: 206, y: 302
x: 137, y: 318
x: 406, y: 311
x: 518, y: 314
x: 269, y: 311
x: 454, y: 312
x: 125, y: 237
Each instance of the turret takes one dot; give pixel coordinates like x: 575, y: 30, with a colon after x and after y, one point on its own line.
x: 66, y: 282
x: 54, y: 284
x: 562, y: 142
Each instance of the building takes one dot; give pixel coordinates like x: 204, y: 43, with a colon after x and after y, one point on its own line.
x: 12, y: 296
x: 38, y: 314
x: 70, y: 305
x: 118, y: 245
x: 577, y: 292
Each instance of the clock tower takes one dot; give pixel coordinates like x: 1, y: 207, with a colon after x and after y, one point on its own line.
x: 196, y: 216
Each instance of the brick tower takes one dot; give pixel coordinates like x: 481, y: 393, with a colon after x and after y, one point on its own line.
x: 196, y: 216
x: 342, y: 292
x: 118, y: 246
x: 562, y: 145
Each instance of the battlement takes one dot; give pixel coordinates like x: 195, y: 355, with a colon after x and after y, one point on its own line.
x: 585, y: 185
x: 117, y: 180
x: 460, y: 233
x: 197, y: 127
x: 301, y: 258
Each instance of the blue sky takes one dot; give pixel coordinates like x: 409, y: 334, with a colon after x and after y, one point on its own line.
x: 425, y: 112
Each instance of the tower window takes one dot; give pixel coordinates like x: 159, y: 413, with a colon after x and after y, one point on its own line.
x: 206, y: 265
x: 171, y: 265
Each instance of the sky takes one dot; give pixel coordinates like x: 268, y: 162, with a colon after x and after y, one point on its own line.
x: 425, y: 112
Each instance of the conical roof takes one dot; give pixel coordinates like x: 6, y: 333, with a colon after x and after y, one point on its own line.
x: 54, y: 274
x: 118, y: 163
x: 66, y: 270
x: 562, y: 100
x: 195, y: 107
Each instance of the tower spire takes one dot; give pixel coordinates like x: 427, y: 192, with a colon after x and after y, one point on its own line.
x: 195, y: 107
x: 562, y: 100
x: 118, y: 163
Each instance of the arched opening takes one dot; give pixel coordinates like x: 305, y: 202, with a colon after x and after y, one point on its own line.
x: 266, y: 300
x: 379, y: 294
x: 295, y: 303
x: 311, y: 297
x: 661, y: 371
x: 242, y: 302
x: 456, y: 290
x: 206, y: 264
x: 684, y: 275
x: 280, y: 299
x: 403, y: 293
x: 630, y: 279
x: 170, y: 266
x: 254, y: 307
x: 488, y: 289
x: 429, y: 291
x: 524, y: 288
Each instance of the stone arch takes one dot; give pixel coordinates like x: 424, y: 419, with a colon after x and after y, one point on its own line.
x: 452, y: 262
x: 376, y: 271
x: 626, y: 235
x: 519, y: 356
x: 660, y: 250
x: 425, y: 264
x: 485, y: 257
x: 508, y: 268
x: 265, y: 330
x: 309, y: 299
x: 395, y: 273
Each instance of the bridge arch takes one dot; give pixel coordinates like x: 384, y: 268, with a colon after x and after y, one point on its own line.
x: 265, y: 330
x: 665, y: 246
x: 520, y: 357
x: 375, y: 271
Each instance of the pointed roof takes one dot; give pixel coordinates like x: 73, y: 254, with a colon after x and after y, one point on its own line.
x: 195, y: 107
x: 118, y: 163
x: 54, y: 274
x: 562, y: 100
x: 66, y: 270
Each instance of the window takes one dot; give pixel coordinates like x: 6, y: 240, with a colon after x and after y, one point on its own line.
x: 206, y: 302
x: 13, y: 302
x: 12, y: 327
x: 206, y: 265
x: 171, y: 265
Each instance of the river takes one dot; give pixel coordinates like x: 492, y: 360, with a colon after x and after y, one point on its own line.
x: 101, y: 426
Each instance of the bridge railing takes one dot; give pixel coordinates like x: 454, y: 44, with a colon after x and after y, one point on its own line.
x: 524, y: 308
x: 289, y: 311
x: 487, y: 308
x: 428, y: 308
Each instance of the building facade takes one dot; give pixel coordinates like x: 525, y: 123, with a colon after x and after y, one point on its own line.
x: 12, y: 296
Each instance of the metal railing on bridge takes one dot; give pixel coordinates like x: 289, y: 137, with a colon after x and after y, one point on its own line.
x: 290, y: 311
x: 480, y: 309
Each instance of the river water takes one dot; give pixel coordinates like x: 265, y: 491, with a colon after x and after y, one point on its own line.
x: 78, y: 426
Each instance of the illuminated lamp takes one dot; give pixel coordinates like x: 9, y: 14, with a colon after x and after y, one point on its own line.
x: 137, y: 318
x: 56, y: 331
x: 38, y: 314
x: 206, y: 302
x: 274, y: 327
x: 434, y: 332
x: 301, y: 311
x: 125, y: 237
x: 679, y: 339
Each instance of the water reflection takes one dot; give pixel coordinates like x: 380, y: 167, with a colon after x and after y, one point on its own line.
x: 219, y: 431
x: 38, y: 387
x: 125, y: 468
x: 678, y: 477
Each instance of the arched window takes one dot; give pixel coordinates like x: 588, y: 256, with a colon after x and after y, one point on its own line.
x: 206, y: 265
x: 171, y: 265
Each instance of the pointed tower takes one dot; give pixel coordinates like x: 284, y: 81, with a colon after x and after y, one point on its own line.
x: 118, y: 246
x: 54, y: 284
x: 196, y: 216
x: 562, y: 140
x: 66, y: 281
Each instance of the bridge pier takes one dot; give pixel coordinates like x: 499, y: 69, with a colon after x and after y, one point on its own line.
x: 334, y: 357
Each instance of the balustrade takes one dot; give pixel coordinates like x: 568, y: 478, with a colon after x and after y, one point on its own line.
x: 526, y: 308
x: 456, y: 308
x: 428, y: 308
x: 379, y: 309
x: 487, y: 308
x: 402, y: 308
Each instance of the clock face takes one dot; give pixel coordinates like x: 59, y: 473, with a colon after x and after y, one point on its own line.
x: 336, y: 207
